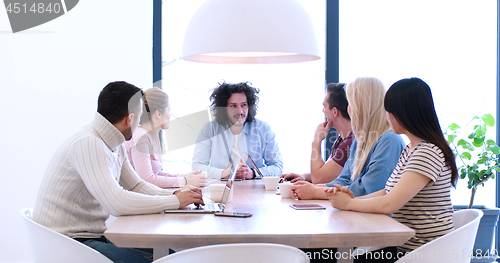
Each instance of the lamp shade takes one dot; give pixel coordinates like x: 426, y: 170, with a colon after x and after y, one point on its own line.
x: 250, y: 32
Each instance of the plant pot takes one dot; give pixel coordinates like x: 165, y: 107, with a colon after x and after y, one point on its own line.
x: 483, y: 246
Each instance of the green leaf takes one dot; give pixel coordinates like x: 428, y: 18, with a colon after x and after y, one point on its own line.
x: 475, y: 118
x: 478, y: 141
x: 453, y: 127
x: 491, y: 142
x: 466, y: 155
x: 451, y: 138
x: 482, y: 129
x: 488, y: 120
x: 471, y: 176
x: 476, y: 178
x: 465, y: 145
x: 472, y: 135
x: 496, y: 168
x: 495, y: 149
x: 479, y: 131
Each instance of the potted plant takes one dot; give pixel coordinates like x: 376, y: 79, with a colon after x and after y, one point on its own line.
x: 477, y: 162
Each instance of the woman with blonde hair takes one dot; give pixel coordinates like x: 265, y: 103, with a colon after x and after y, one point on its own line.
x: 144, y: 149
x: 375, y: 150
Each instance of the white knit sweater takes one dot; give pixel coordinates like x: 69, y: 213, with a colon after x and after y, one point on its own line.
x: 90, y: 178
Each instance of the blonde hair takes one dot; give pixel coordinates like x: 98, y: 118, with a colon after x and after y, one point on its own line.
x: 368, y: 121
x: 154, y: 99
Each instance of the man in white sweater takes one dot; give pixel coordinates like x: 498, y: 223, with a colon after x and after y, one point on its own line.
x: 90, y: 177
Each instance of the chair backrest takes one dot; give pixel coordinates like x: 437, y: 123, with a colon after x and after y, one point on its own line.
x: 239, y: 253
x: 48, y: 246
x: 453, y: 247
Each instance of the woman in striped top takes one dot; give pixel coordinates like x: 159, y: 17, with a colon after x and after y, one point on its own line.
x: 417, y: 193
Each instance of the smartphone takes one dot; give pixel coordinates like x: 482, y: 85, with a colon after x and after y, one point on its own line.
x: 233, y: 214
x: 307, y: 206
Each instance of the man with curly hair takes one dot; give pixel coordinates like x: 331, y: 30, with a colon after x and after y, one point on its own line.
x: 236, y: 131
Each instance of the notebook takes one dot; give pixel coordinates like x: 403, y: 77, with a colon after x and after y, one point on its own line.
x: 212, y: 207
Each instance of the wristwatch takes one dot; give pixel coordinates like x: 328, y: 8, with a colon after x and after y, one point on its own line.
x: 256, y: 175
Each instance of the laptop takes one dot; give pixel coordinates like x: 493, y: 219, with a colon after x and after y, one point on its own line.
x: 210, y: 208
x: 255, y: 167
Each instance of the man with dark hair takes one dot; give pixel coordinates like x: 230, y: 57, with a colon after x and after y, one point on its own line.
x: 335, y: 109
x: 90, y: 177
x: 236, y: 131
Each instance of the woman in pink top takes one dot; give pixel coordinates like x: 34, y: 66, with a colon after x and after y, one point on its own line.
x: 144, y: 149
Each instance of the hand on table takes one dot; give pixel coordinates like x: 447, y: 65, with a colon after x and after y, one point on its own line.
x: 189, y: 195
x: 304, y: 190
x: 196, y: 178
x: 340, y: 188
x: 295, y: 177
x: 226, y: 172
x: 244, y: 172
x: 339, y: 196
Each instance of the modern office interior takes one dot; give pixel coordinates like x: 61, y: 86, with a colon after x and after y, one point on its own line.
x: 51, y: 76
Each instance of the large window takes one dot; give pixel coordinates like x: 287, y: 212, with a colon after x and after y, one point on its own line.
x: 450, y: 44
x: 292, y: 113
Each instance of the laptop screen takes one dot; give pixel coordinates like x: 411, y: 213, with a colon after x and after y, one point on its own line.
x: 229, y: 184
x: 254, y: 165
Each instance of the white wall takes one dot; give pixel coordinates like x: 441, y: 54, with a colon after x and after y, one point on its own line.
x: 50, y: 78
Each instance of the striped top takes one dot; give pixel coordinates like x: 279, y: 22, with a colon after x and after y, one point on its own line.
x: 429, y: 212
x: 90, y: 178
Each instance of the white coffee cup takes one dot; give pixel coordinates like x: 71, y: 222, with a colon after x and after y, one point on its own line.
x: 214, y: 192
x: 285, y: 190
x: 271, y: 183
x: 204, y: 174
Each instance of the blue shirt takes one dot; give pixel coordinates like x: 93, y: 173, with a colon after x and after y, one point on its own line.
x: 379, y: 165
x: 256, y: 139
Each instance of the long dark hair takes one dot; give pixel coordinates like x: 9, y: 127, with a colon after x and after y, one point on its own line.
x: 223, y: 92
x: 410, y: 102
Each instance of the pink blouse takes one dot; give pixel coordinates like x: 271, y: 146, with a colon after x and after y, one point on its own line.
x: 144, y: 154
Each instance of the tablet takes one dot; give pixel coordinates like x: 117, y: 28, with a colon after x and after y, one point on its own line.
x: 307, y: 206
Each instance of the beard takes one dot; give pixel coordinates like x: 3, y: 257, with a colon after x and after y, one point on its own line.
x: 237, y: 120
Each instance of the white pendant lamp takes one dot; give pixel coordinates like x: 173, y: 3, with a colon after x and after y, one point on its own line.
x: 250, y: 32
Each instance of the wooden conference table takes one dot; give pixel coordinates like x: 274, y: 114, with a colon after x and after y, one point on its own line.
x: 273, y: 221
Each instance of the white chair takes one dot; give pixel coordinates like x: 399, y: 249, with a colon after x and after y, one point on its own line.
x: 48, y: 246
x: 453, y: 247
x: 239, y: 253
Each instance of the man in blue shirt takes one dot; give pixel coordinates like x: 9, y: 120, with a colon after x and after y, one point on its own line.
x: 235, y: 130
